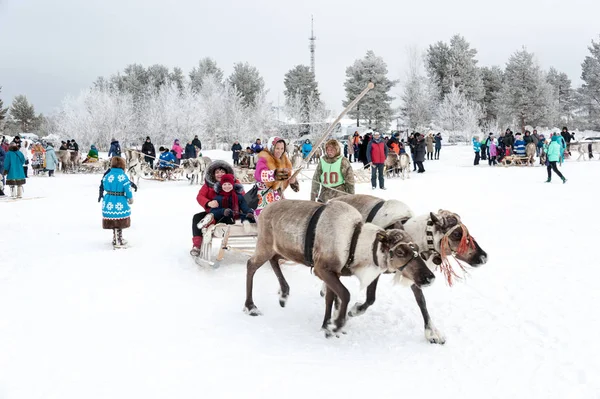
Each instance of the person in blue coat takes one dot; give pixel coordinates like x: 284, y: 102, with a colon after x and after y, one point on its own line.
x: 190, y: 150
x: 306, y: 148
x: 477, y: 149
x: 2, y: 156
x: 51, y: 160
x: 438, y: 145
x: 116, y: 201
x: 13, y: 168
x: 519, y: 146
x: 555, y: 152
x: 115, y: 148
x: 232, y: 204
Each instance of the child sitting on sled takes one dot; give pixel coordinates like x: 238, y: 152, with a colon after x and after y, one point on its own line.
x: 232, y: 206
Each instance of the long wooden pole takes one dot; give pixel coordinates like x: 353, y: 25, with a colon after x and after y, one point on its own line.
x: 363, y: 93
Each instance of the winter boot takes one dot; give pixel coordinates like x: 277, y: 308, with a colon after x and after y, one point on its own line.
x: 114, y: 241
x: 197, y: 243
x: 549, y: 180
x: 208, y: 219
x: 564, y: 180
x: 13, y: 192
x: 19, y: 191
x: 120, y: 241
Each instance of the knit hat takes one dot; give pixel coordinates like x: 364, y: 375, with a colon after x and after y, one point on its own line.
x: 274, y: 140
x: 147, y: 137
x: 227, y: 178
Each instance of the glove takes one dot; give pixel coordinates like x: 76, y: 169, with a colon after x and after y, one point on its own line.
x: 282, y: 174
x: 228, y: 212
x: 130, y: 201
x: 295, y: 186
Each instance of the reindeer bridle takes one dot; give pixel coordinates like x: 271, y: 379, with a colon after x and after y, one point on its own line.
x: 415, y: 253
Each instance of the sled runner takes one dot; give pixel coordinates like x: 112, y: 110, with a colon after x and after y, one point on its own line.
x: 239, y: 237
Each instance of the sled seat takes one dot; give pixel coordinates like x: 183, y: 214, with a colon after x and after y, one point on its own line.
x: 239, y: 237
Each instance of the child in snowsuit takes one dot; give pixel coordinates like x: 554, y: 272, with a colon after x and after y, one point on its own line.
x: 477, y: 149
x: 232, y: 205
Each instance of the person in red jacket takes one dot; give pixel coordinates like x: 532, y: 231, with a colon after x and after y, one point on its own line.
x: 376, y: 155
x: 206, y: 198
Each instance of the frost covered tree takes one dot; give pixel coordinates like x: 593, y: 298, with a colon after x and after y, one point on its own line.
x: 261, y: 118
x: 247, y: 81
x: 492, y: 84
x: 207, y: 66
x: 590, y: 90
x: 23, y: 113
x: 458, y: 114
x: 305, y: 112
x: 454, y: 65
x: 3, y: 112
x: 300, y: 85
x: 375, y: 107
x: 418, y: 95
x: 526, y: 96
x: 561, y: 86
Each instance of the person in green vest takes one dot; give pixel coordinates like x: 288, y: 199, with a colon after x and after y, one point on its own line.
x: 92, y: 155
x: 334, y: 176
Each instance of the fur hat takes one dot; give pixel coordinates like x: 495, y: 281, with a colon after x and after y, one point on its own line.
x: 117, y: 162
x: 227, y: 178
x: 274, y: 140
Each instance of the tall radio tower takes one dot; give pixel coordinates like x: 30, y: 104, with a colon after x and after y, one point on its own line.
x: 312, y: 45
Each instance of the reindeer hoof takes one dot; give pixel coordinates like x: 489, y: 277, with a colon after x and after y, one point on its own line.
x: 434, y: 336
x: 252, y: 311
x: 283, y: 299
x: 355, y: 311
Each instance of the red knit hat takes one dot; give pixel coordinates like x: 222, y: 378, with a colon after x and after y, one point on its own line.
x: 227, y: 178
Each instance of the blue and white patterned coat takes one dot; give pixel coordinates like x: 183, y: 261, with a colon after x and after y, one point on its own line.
x: 519, y: 148
x: 116, y: 206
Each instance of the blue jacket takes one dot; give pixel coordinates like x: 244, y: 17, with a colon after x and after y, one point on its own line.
x: 476, y: 146
x: 554, y: 151
x: 306, y: 149
x: 256, y: 148
x: 115, y: 149
x: 13, y: 163
x: 190, y: 151
x: 51, y: 159
x: 438, y: 142
x: 115, y: 206
x: 219, y: 212
x: 167, y: 160
x: 541, y: 140
x: 519, y: 147
x: 2, y: 156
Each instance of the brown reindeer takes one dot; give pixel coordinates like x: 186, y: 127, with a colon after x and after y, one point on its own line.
x: 333, y: 239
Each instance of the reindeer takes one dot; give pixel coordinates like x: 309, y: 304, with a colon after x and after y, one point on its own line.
x: 333, y: 239
x: 439, y: 236
x: 530, y: 153
x: 392, y: 165
x: 194, y: 167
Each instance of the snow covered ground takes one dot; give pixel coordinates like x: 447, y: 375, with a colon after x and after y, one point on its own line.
x: 79, y: 320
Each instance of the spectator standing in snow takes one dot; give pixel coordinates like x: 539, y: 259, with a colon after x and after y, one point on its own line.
x: 177, y: 150
x: 117, y: 196
x: 236, y: 150
x: 51, y: 160
x: 196, y: 142
x: 13, y: 168
x: 306, y: 148
x: 115, y: 148
x: 477, y: 149
x: 438, y: 145
x: 27, y: 155
x: 419, y: 154
x: 149, y: 152
x: 190, y: 151
x: 376, y: 155
x: 492, y: 150
x: 519, y: 145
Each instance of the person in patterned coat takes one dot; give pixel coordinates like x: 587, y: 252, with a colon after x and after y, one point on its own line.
x: 117, y: 196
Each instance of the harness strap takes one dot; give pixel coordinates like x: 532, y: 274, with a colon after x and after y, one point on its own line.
x: 309, y: 240
x: 374, y: 250
x: 374, y: 211
x: 429, y: 235
x: 353, y: 243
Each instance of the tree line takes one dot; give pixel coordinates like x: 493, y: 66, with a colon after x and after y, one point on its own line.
x: 444, y: 88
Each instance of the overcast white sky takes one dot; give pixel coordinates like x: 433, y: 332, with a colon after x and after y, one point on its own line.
x: 51, y: 48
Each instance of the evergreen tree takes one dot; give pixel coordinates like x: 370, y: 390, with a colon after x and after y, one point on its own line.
x: 459, y: 114
x: 492, y: 84
x: 23, y: 113
x: 300, y: 85
x: 3, y: 111
x: 375, y: 107
x: 590, y: 90
x: 177, y: 77
x: 455, y: 65
x: 561, y: 85
x: 526, y: 95
x: 247, y: 81
x: 206, y: 66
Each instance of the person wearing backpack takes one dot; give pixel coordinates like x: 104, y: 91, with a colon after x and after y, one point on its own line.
x: 115, y: 148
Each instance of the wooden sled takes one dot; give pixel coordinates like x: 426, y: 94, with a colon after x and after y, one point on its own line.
x: 516, y: 160
x: 237, y: 237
